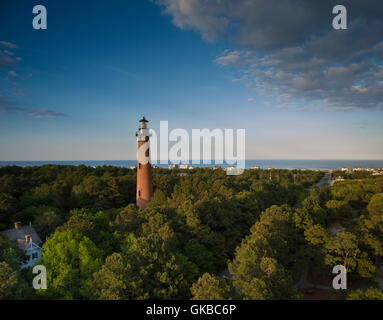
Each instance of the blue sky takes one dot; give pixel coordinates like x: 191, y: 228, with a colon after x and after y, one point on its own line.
x: 77, y: 90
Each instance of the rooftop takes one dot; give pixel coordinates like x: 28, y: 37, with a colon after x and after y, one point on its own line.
x: 20, y: 234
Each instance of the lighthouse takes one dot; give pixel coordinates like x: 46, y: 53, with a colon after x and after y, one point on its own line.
x: 144, y: 168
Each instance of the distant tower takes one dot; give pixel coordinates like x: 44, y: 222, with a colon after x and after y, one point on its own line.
x: 144, y: 168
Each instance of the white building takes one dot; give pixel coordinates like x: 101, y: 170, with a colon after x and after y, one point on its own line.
x: 186, y: 166
x: 28, y: 240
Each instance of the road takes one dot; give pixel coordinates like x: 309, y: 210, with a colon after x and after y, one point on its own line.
x: 325, y: 181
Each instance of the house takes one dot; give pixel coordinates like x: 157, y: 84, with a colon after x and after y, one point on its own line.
x: 28, y: 240
x: 185, y: 166
x: 339, y: 179
x: 173, y: 166
x: 255, y: 168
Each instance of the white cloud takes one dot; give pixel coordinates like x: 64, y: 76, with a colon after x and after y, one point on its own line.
x: 9, y: 45
x: 280, y: 47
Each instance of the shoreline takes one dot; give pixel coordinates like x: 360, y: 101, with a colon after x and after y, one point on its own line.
x: 321, y: 165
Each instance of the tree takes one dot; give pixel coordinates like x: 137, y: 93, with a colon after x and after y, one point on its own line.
x: 316, y: 234
x: 343, y: 250
x: 209, y: 287
x: 271, y: 281
x: 339, y: 209
x: 47, y: 223
x: 70, y: 259
x: 371, y: 225
x: 128, y: 220
x: 11, y: 253
x: 8, y: 282
x: 158, y: 200
x: 375, y: 216
x: 370, y: 294
x: 146, y: 269
x: 259, y: 268
x: 111, y: 282
x: 202, y: 257
x: 8, y: 205
x: 80, y: 223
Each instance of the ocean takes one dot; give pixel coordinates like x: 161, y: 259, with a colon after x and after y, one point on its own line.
x: 264, y: 164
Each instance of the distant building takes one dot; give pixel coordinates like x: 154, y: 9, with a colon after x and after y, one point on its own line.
x: 270, y: 168
x: 255, y: 168
x: 28, y: 240
x: 186, y: 167
x: 132, y: 167
x: 357, y: 169
x: 173, y: 166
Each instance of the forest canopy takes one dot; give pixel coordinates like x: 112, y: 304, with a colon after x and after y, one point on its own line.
x: 204, y: 235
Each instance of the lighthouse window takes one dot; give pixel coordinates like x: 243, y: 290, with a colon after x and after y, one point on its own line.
x: 147, y: 153
x: 139, y: 166
x: 139, y: 193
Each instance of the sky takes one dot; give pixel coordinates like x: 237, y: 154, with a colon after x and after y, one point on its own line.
x: 301, y: 89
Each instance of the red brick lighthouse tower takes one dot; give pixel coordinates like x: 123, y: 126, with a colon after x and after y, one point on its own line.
x: 144, y: 168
